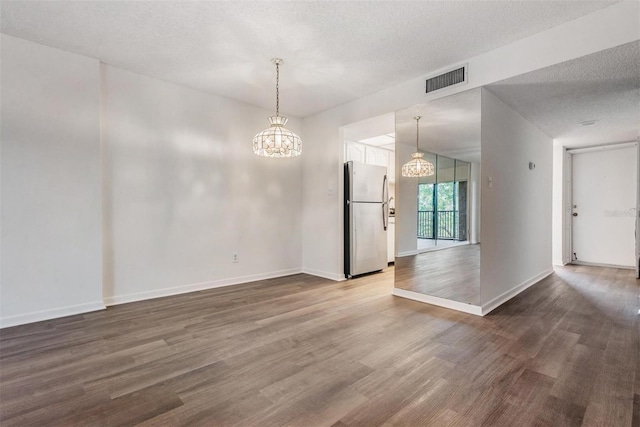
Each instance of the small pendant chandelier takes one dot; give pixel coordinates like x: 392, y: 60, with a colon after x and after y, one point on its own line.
x: 276, y: 140
x: 417, y: 166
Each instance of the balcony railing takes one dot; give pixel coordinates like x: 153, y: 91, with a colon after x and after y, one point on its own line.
x: 441, y: 225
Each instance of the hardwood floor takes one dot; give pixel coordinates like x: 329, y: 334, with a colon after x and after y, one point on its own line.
x: 310, y: 352
x: 452, y: 273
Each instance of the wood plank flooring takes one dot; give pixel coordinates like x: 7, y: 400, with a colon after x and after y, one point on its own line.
x: 310, y: 352
x: 452, y: 273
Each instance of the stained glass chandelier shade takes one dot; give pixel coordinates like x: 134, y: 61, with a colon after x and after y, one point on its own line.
x: 276, y: 140
x: 417, y: 166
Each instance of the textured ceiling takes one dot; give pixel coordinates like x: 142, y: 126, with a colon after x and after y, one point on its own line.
x: 449, y: 126
x: 604, y: 86
x: 334, y: 52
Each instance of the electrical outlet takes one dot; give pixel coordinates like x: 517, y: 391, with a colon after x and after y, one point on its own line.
x: 234, y: 258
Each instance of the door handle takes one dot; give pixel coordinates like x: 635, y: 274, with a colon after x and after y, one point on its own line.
x: 575, y: 214
x: 384, y: 218
x: 385, y: 203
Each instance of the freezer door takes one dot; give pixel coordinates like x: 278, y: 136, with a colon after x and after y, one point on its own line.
x: 368, y: 238
x: 367, y: 183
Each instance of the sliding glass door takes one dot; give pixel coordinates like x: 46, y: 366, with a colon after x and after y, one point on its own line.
x: 442, y: 204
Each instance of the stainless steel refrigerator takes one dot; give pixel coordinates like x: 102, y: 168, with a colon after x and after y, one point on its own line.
x: 366, y: 216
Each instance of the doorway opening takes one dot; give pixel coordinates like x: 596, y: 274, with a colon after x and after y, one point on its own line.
x: 602, y: 210
x: 372, y: 142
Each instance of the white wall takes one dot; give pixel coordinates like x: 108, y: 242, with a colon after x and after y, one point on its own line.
x: 475, y: 203
x: 185, y: 191
x: 50, y: 169
x: 557, y: 223
x: 118, y: 187
x: 637, y: 260
x: 322, y: 213
x: 516, y: 211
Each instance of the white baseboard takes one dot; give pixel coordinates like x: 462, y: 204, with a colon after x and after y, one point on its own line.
x: 54, y: 313
x: 440, y: 302
x: 506, y: 296
x: 177, y: 290
x: 324, y: 274
x: 425, y: 250
x: 596, y: 264
x: 407, y: 253
x: 470, y: 308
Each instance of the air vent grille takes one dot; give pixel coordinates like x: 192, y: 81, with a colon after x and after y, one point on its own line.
x: 447, y: 79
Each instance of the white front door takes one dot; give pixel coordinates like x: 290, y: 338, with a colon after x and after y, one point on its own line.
x: 603, y: 218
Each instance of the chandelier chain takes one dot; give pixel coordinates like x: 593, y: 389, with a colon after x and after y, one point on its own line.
x: 277, y: 89
x: 417, y: 132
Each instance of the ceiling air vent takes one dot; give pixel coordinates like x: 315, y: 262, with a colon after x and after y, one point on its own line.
x: 450, y: 78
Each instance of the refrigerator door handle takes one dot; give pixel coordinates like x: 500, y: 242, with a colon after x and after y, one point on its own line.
x: 354, y: 241
x: 385, y: 203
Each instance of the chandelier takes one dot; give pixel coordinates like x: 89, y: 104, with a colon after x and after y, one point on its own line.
x: 417, y: 166
x: 276, y: 140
